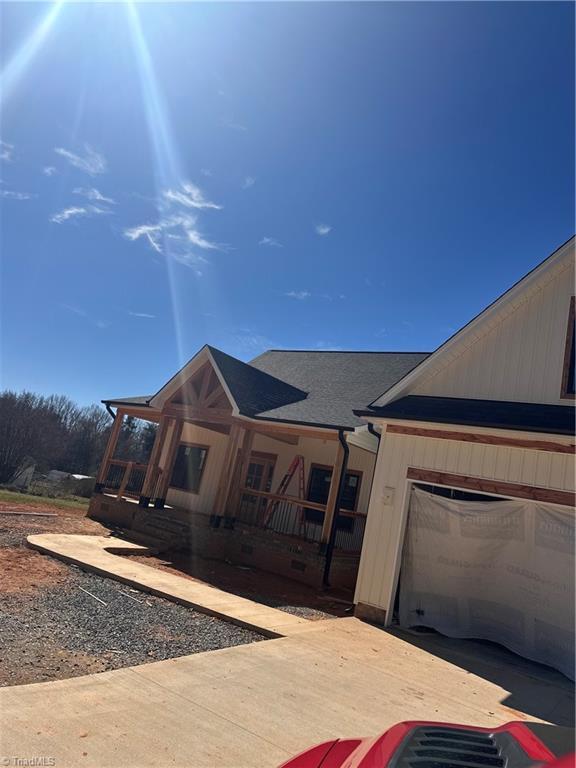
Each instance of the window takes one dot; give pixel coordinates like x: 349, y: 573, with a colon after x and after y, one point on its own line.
x: 188, y: 467
x: 318, y: 489
x: 569, y: 356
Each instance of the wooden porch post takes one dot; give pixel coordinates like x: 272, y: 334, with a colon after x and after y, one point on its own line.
x: 228, y: 465
x: 241, y: 469
x: 109, y: 452
x: 169, y: 461
x: 332, y: 495
x: 154, y: 462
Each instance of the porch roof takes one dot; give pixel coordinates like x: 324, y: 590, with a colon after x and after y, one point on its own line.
x: 313, y: 388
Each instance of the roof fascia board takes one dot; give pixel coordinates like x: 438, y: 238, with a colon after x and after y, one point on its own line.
x: 476, y: 328
x: 301, y: 428
x: 138, y: 411
x: 467, y: 428
x: 222, y: 380
x: 184, y: 374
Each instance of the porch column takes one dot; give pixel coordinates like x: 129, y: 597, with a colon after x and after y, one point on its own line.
x: 168, y: 464
x: 236, y: 433
x: 332, y: 496
x: 154, y: 462
x: 110, y: 450
x: 241, y: 470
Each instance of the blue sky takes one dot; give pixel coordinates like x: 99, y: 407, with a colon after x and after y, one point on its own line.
x: 251, y: 175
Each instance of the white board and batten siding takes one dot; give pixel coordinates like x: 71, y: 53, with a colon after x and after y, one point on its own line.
x: 315, y: 451
x: 520, y: 354
x: 384, y: 535
x: 203, y: 501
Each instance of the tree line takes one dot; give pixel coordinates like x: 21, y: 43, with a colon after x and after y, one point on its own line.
x: 57, y: 433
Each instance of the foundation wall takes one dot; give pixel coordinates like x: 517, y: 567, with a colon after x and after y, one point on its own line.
x: 244, y: 545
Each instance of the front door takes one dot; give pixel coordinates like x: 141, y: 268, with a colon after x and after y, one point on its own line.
x: 259, y: 477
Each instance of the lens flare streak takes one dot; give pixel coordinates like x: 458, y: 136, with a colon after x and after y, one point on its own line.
x: 14, y: 70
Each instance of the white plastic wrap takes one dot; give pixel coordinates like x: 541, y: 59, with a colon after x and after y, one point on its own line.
x: 501, y: 571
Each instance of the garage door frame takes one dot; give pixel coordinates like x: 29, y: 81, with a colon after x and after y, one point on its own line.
x: 478, y: 485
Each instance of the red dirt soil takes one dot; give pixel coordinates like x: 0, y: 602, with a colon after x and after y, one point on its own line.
x: 22, y: 568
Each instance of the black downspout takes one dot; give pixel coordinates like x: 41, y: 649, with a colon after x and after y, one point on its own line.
x: 377, y: 435
x: 372, y: 431
x: 99, y: 487
x: 333, y: 527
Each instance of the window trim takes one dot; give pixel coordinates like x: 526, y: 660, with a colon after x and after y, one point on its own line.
x: 564, y: 394
x: 357, y: 472
x: 191, y: 445
x: 267, y: 460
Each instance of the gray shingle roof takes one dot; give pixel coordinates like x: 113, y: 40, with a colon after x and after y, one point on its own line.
x: 137, y: 400
x: 336, y: 382
x: 308, y: 387
x: 254, y: 390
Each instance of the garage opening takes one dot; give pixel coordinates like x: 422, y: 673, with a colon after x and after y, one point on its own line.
x: 491, y: 568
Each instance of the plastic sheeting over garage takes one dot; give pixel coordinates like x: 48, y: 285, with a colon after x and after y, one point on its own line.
x: 494, y: 570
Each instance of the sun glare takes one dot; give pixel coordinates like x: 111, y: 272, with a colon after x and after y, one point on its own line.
x: 166, y: 164
x: 12, y: 73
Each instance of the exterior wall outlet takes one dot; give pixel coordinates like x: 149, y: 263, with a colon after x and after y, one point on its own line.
x: 387, y: 497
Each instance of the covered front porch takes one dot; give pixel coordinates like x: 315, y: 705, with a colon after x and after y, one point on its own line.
x: 286, y: 498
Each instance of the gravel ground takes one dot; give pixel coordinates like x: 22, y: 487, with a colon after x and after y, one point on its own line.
x: 13, y: 533
x: 303, y: 611
x: 50, y: 628
x: 61, y: 631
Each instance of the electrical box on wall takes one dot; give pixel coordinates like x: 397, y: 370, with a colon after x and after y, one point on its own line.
x: 387, y: 497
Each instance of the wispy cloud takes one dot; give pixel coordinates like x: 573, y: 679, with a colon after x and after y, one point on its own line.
x: 150, y: 232
x: 11, y: 195
x: 248, y: 182
x: 190, y: 196
x: 76, y: 212
x: 247, y: 342
x: 6, y: 151
x: 96, y: 322
x: 234, y: 126
x: 75, y: 310
x: 92, y: 162
x: 176, y: 234
x: 322, y: 229
x: 306, y: 294
x: 142, y: 315
x: 93, y: 194
x: 49, y: 170
x: 270, y: 242
x: 173, y: 228
x: 206, y: 172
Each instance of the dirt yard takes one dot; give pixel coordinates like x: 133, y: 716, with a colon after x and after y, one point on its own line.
x: 23, y: 569
x: 266, y: 588
x: 57, y: 621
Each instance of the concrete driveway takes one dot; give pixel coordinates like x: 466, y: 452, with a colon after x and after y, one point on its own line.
x: 254, y: 705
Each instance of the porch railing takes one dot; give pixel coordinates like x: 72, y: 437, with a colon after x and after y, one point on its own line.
x: 299, y: 518
x: 125, y: 478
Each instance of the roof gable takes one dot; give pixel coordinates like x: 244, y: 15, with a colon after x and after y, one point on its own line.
x: 253, y: 390
x: 511, y: 351
x: 308, y: 387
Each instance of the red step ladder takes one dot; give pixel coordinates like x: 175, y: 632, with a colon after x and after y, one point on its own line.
x: 296, y: 464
